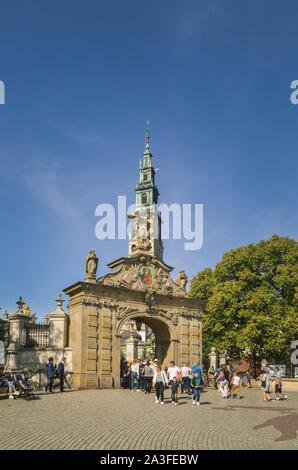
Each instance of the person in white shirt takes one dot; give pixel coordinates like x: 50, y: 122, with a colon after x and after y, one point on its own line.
x: 172, y: 372
x: 185, y: 374
x: 134, y: 375
x: 235, y: 385
x: 159, y: 382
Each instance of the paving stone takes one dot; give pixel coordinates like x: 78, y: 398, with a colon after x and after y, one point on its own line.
x: 119, y: 419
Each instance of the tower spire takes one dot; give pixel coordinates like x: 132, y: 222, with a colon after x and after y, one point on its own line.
x: 146, y: 230
x: 147, y: 138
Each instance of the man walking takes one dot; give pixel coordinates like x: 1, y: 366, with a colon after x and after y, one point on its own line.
x: 185, y: 378
x: 50, y: 375
x: 60, y: 372
x: 173, y: 371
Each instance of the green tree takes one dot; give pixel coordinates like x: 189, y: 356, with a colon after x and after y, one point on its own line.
x: 251, y: 300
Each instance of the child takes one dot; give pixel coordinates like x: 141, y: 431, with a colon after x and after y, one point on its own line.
x: 174, y: 390
x: 235, y: 385
x: 195, y: 384
x: 278, y: 384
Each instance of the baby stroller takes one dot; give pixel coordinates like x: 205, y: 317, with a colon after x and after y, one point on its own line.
x: 22, y: 387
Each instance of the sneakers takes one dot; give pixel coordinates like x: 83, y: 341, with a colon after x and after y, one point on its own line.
x: 173, y: 402
x: 194, y: 402
x: 156, y: 400
x: 176, y: 404
x: 286, y: 397
x: 198, y: 403
x: 277, y: 398
x: 138, y: 390
x: 162, y: 403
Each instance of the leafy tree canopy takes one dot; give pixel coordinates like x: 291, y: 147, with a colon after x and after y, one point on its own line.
x: 251, y: 300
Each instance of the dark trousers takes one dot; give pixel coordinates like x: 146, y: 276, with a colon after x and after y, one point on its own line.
x: 148, y: 384
x: 141, y: 382
x: 50, y: 384
x: 185, y: 384
x: 61, y: 383
x: 159, y: 388
x: 174, y: 396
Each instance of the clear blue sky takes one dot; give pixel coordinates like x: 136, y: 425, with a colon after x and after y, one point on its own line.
x: 82, y: 78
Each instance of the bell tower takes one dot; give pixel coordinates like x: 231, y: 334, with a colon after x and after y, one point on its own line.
x: 145, y: 234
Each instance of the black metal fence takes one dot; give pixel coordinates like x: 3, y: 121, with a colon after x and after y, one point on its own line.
x: 37, y: 335
x: 4, y: 331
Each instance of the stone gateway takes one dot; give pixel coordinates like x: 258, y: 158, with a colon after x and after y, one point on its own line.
x: 137, y: 288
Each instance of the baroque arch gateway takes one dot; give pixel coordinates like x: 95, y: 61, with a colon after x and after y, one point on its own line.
x: 138, y: 287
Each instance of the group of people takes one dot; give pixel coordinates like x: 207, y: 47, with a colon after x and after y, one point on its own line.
x: 142, y: 375
x: 265, y: 379
x: 54, y: 370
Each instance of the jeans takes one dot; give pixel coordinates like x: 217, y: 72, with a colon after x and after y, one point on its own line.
x: 185, y: 384
x: 133, y: 380
x: 174, y: 396
x: 160, y: 388
x: 196, y: 394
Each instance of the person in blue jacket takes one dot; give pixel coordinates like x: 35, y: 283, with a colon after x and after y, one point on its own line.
x: 60, y: 373
x: 50, y: 375
x: 196, y: 386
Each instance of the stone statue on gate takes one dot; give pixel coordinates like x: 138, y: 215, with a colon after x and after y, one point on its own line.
x: 91, y: 265
x: 182, y: 279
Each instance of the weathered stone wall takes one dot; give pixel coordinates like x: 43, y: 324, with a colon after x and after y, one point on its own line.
x: 97, y: 314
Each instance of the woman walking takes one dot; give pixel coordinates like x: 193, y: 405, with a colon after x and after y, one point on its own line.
x: 223, y: 385
x: 160, y: 381
x: 134, y: 375
x: 265, y: 382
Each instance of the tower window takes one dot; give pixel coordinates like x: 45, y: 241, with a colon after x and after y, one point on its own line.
x: 144, y: 198
x: 145, y: 176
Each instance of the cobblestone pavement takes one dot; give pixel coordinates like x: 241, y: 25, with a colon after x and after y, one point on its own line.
x: 120, y: 419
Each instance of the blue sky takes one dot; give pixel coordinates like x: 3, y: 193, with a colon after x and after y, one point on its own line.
x: 213, y: 77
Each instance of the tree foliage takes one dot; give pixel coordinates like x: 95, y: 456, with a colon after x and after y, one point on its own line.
x: 251, y: 300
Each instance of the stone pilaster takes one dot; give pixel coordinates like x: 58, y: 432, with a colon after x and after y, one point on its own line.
x: 58, y: 321
x: 105, y: 348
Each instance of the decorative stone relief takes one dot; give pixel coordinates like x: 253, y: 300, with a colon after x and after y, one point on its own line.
x: 144, y: 274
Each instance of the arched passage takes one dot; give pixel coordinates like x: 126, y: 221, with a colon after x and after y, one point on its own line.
x: 166, y: 340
